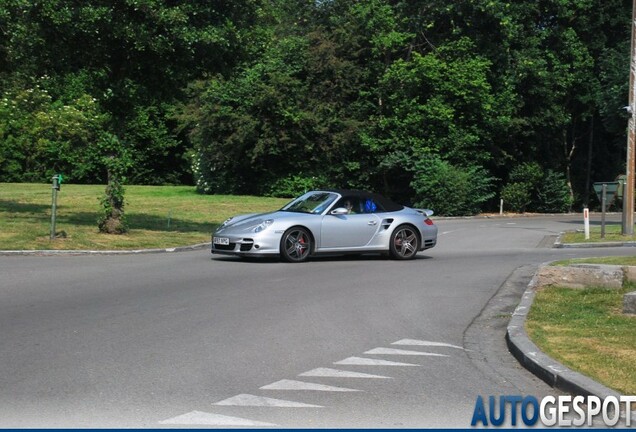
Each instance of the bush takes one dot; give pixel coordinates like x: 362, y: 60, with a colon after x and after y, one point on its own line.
x: 294, y: 185
x: 529, y: 173
x: 531, y: 188
x: 450, y: 190
x: 40, y: 136
x: 516, y: 196
x: 554, y: 194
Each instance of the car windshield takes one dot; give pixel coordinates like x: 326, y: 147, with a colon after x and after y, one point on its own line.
x: 311, y: 202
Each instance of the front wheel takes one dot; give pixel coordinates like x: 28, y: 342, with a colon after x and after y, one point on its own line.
x: 295, y: 246
x: 404, y: 243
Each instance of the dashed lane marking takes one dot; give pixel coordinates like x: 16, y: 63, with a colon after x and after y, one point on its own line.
x: 392, y: 351
x: 361, y: 361
x: 209, y: 419
x: 200, y: 418
x: 300, y: 385
x: 415, y: 342
x: 260, y: 401
x: 335, y: 373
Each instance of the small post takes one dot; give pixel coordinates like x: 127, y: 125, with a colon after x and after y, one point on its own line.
x: 54, y: 188
x: 501, y: 206
x: 624, y: 211
x: 586, y: 222
x: 603, y: 202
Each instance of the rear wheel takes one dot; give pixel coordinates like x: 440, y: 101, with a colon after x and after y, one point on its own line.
x: 295, y: 246
x: 404, y: 243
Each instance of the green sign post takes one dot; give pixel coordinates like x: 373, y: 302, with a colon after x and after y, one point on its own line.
x: 57, y: 182
x: 606, y: 192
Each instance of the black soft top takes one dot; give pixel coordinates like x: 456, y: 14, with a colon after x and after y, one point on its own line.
x: 385, y: 203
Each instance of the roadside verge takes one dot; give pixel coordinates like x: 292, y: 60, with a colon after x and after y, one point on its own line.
x: 532, y: 358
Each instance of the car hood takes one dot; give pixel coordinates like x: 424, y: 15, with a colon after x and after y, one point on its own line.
x: 247, y: 222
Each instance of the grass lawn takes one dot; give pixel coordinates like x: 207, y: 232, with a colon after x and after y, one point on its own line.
x: 612, y: 233
x: 586, y: 331
x: 158, y: 216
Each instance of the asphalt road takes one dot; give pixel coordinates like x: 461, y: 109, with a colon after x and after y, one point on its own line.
x: 185, y: 339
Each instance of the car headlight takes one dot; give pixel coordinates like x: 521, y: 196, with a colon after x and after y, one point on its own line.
x: 263, y: 225
x: 225, y: 223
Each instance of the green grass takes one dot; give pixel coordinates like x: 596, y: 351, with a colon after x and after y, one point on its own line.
x: 586, y: 330
x: 158, y: 216
x: 612, y: 233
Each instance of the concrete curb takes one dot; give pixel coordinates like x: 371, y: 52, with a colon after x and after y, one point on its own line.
x: 536, y: 361
x: 102, y: 252
x: 595, y: 245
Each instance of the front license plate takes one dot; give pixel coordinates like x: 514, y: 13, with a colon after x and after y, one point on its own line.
x: 221, y: 240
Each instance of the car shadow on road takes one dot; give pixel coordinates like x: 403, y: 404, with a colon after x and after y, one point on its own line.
x: 320, y: 258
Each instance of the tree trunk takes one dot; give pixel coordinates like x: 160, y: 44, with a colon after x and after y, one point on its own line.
x: 588, y: 175
x: 568, y: 161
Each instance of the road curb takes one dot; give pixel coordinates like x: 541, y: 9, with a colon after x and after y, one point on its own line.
x: 103, y: 252
x: 540, y: 364
x: 594, y: 245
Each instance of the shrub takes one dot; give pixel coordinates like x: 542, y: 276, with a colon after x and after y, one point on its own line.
x: 554, y: 194
x: 294, y: 185
x: 450, y: 190
x: 40, y: 136
x: 531, y: 188
x: 516, y: 196
x: 529, y: 173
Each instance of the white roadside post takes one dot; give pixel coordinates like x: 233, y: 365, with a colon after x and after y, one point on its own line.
x: 586, y: 222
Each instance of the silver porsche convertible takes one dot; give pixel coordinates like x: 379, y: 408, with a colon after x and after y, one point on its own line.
x: 329, y: 221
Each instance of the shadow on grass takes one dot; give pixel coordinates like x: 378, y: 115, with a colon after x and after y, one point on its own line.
x: 17, y: 207
x: 135, y: 220
x: 143, y: 221
x: 593, y: 222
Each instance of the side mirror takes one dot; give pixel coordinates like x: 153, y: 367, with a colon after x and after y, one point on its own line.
x: 339, y: 211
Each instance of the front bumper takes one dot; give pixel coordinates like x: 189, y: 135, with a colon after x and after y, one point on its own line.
x: 256, y: 245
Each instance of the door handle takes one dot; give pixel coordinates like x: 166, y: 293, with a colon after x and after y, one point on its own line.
x: 373, y: 222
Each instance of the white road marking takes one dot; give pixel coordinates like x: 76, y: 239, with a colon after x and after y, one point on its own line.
x: 260, y: 401
x: 414, y: 342
x: 392, y: 351
x: 360, y: 361
x: 300, y: 385
x: 335, y: 373
x: 209, y: 419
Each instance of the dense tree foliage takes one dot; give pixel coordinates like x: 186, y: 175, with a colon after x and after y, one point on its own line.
x: 448, y: 105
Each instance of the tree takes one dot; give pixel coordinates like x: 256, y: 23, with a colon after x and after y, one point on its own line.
x: 133, y: 57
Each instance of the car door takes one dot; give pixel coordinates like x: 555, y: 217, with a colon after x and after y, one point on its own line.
x: 353, y: 230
